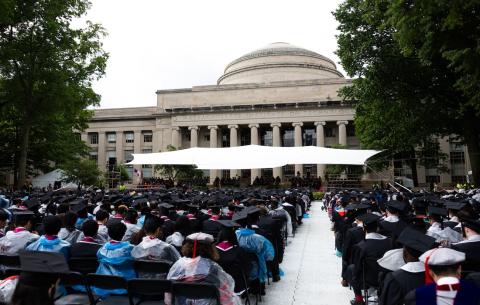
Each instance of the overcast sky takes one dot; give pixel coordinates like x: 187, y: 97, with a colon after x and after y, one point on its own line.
x: 160, y: 44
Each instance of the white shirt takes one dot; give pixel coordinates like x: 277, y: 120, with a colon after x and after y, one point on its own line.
x: 446, y: 297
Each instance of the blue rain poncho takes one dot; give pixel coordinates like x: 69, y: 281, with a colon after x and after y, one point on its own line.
x: 50, y: 245
x: 115, y: 259
x: 203, y: 270
x: 263, y: 249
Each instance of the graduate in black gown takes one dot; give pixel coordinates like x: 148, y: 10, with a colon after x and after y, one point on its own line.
x: 352, y: 237
x: 470, y: 245
x: 232, y: 258
x: 364, y: 257
x: 411, y: 275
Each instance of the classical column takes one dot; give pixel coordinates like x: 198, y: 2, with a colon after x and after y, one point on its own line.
x: 137, y: 150
x: 298, y: 142
x: 193, y: 136
x: 213, y: 144
x: 321, y: 143
x: 254, y: 140
x: 176, y: 137
x: 276, y: 141
x: 342, y: 132
x: 233, y: 143
x: 119, y: 147
x: 102, y: 158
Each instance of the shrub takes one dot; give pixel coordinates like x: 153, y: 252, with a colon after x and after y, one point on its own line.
x: 318, y: 195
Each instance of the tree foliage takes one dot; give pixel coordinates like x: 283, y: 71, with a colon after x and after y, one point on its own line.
x: 177, y: 172
x: 46, y: 72
x: 84, y: 172
x: 405, y: 98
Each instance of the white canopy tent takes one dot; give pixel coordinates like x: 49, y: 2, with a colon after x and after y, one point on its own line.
x: 50, y: 178
x: 255, y: 156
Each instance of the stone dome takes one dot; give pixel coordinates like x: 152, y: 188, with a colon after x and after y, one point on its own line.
x: 279, y: 61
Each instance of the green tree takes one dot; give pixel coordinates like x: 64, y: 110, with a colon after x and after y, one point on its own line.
x: 177, y: 172
x: 83, y: 172
x: 123, y: 173
x: 46, y: 72
x: 447, y: 33
x: 402, y: 103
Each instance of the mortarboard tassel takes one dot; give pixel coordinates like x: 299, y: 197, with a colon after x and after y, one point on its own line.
x: 194, y: 248
x: 428, y: 277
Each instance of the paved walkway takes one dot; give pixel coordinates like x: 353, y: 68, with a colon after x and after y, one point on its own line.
x: 312, y: 271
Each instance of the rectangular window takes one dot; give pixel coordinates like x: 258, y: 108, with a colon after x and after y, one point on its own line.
x: 93, y: 156
x: 206, y: 138
x: 434, y: 179
x: 350, y: 130
x: 129, y: 137
x: 457, y: 157
x: 329, y: 132
x: 128, y: 155
x: 93, y: 138
x: 111, y: 137
x: 147, y: 166
x: 147, y: 137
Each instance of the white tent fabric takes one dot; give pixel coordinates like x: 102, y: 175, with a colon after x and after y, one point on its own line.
x: 50, y: 178
x: 255, y: 156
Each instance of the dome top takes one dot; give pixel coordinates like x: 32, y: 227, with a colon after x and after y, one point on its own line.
x: 279, y: 61
x: 279, y: 48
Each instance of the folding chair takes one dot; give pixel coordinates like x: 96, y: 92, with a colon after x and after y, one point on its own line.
x: 107, y: 282
x: 84, y: 265
x: 74, y: 297
x: 10, y: 260
x: 148, y: 291
x: 370, y: 272
x: 152, y: 269
x: 195, y: 291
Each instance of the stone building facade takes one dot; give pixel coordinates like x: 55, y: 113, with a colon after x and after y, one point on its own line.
x: 279, y: 95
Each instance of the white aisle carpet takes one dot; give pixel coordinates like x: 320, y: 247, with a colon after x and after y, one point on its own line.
x: 312, y: 271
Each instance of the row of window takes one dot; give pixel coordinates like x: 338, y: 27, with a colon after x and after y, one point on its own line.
x: 129, y: 137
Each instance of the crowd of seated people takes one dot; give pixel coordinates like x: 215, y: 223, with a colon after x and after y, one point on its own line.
x: 232, y: 239
x: 408, y: 248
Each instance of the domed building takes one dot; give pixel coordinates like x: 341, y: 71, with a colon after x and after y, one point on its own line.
x: 280, y: 95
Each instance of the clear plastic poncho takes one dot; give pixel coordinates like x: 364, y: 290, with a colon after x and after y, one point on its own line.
x: 13, y: 242
x: 203, y: 270
x: 156, y: 250
x: 115, y: 259
x: 71, y: 236
x: 176, y: 239
x: 263, y: 249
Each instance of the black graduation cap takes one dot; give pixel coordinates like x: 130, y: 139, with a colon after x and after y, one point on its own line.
x: 368, y: 218
x: 472, y: 224
x: 437, y: 211
x: 453, y: 205
x: 43, y: 262
x: 356, y: 206
x: 165, y: 205
x: 139, y: 201
x: 240, y: 215
x: 396, y: 205
x: 252, y: 210
x: 416, y: 240
x: 32, y: 203
x: 78, y: 205
x: 22, y: 214
x: 227, y: 223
